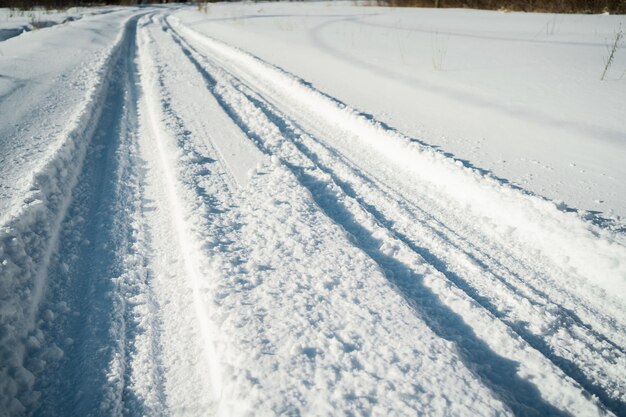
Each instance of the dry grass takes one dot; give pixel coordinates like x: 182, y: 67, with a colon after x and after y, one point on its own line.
x: 612, y: 48
x: 65, y: 4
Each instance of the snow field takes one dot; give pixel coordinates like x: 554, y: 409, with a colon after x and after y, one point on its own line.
x: 471, y: 190
x: 15, y: 22
x: 215, y: 236
x: 517, y: 94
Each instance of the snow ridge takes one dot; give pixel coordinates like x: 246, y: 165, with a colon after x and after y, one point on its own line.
x: 29, y: 237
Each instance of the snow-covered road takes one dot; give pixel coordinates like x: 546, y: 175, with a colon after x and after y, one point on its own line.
x: 187, y: 229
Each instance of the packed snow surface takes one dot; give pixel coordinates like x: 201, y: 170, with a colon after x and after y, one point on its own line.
x: 312, y: 209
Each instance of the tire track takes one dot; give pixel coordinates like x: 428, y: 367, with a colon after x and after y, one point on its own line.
x: 98, y: 303
x: 192, y: 188
x: 459, y: 255
x: 597, y: 362
x: 30, y: 237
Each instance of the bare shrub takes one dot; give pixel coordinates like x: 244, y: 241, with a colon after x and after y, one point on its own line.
x: 619, y: 35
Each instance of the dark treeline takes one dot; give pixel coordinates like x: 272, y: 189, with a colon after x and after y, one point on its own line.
x: 64, y: 4
x: 552, y: 6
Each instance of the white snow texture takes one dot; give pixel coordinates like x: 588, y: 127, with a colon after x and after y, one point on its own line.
x: 315, y: 209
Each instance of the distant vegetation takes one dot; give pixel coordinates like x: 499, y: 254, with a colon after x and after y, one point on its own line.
x: 64, y: 4
x: 551, y: 6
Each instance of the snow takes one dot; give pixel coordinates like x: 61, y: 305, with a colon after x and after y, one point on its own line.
x: 253, y: 211
x: 517, y: 94
x: 15, y: 22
